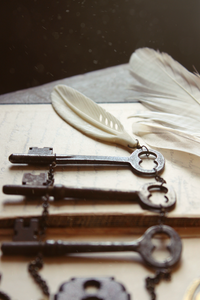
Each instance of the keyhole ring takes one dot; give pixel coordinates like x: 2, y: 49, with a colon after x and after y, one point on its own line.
x: 135, y: 161
x: 175, y: 246
x: 169, y: 196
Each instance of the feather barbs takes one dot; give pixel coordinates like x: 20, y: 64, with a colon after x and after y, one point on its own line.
x: 161, y: 73
x: 172, y: 93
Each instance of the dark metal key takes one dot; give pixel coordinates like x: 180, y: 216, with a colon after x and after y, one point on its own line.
x: 46, y: 156
x: 143, y: 246
x: 142, y: 196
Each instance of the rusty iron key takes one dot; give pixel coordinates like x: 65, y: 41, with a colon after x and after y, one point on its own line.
x: 143, y: 246
x: 46, y: 156
x: 142, y: 196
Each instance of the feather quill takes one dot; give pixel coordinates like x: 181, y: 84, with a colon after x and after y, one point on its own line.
x: 88, y: 117
x: 172, y: 93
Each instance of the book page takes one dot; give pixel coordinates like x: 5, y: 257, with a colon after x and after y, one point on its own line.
x: 24, y: 126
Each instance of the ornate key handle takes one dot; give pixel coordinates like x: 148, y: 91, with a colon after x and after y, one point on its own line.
x: 145, y: 194
x: 135, y: 160
x: 175, y: 247
x: 143, y: 246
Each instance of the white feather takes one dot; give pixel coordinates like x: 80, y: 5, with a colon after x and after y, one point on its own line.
x: 167, y: 88
x: 88, y: 117
x: 172, y: 106
x: 167, y: 138
x: 171, y: 120
x: 163, y: 75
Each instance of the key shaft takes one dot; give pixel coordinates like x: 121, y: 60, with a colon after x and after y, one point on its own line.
x: 60, y: 248
x: 67, y: 159
x: 59, y: 191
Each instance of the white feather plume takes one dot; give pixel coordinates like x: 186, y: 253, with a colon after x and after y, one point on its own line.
x: 88, y: 117
x: 172, y: 93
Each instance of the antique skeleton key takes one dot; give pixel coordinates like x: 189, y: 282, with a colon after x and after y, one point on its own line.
x: 141, y: 196
x: 143, y: 246
x: 46, y: 156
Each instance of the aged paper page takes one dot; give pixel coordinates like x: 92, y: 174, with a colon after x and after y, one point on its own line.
x: 24, y: 126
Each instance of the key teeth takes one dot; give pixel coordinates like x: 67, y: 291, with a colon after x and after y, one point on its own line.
x: 35, y: 180
x: 41, y: 151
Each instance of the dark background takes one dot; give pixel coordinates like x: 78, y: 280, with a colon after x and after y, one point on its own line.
x: 44, y: 40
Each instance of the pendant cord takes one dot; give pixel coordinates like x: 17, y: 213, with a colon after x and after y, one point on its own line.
x: 151, y: 282
x: 38, y: 263
x: 33, y: 269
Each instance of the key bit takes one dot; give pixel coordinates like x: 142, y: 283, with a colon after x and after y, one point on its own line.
x: 133, y: 161
x: 35, y: 180
x: 26, y: 233
x: 142, y: 196
x: 143, y: 246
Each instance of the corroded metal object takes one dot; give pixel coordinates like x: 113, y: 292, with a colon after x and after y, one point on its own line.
x: 98, y: 288
x: 46, y: 156
x: 35, y: 179
x: 143, y: 246
x: 142, y: 196
x: 26, y: 232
